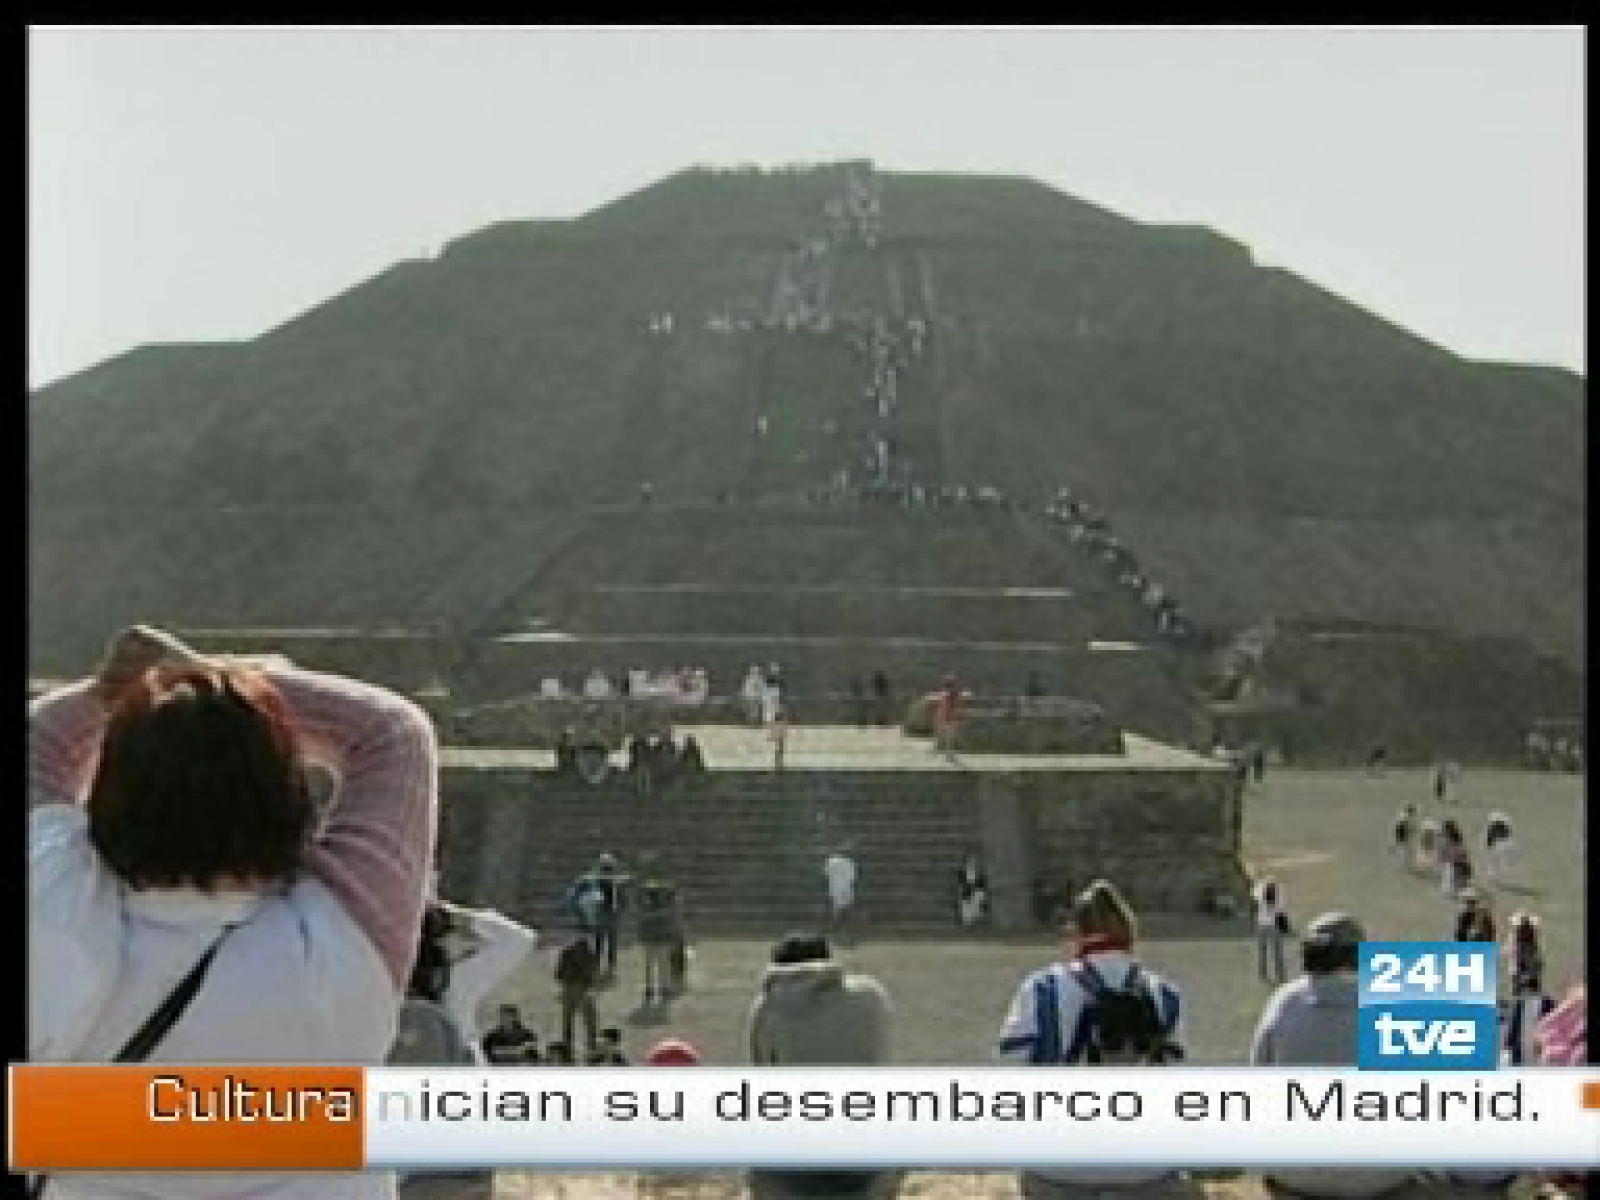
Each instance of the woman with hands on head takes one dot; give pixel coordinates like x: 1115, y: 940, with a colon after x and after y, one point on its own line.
x: 173, y: 836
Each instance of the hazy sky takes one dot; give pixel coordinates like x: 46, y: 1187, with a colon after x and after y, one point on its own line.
x: 205, y: 184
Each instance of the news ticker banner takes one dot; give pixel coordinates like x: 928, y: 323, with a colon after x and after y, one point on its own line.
x: 279, y: 1118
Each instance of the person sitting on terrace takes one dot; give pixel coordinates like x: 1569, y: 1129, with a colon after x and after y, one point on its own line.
x: 597, y: 686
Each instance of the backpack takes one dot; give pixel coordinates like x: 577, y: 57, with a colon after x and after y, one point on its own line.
x: 587, y: 900
x: 1121, y: 1026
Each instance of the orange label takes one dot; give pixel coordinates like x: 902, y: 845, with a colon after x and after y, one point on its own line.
x: 1591, y: 1097
x: 175, y: 1118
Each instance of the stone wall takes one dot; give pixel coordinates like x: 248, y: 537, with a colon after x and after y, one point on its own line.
x: 941, y: 614
x: 1135, y: 687
x: 746, y: 846
x: 1046, y: 725
x: 1168, y: 839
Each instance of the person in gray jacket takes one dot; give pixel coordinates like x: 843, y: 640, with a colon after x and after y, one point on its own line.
x: 1311, y: 1022
x: 811, y: 1012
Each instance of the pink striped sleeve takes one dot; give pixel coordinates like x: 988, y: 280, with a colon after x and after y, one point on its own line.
x: 1562, y: 1037
x: 376, y: 853
x: 64, y: 732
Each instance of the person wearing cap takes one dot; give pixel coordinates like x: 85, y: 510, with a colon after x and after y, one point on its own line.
x: 1311, y: 1022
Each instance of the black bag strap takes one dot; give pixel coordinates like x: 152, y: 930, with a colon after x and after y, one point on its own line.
x: 159, y: 1023
x: 156, y: 1026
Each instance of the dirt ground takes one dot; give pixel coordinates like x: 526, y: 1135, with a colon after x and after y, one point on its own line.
x: 1322, y: 834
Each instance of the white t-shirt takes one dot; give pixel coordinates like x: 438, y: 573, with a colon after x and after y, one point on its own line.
x: 841, y: 875
x: 1267, y: 914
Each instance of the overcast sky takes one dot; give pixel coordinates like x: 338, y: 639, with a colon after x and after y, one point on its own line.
x: 195, y: 185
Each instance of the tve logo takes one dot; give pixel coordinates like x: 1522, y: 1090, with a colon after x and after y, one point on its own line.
x: 1427, y: 1006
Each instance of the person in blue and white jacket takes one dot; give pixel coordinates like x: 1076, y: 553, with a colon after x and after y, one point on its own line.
x: 1050, y: 1020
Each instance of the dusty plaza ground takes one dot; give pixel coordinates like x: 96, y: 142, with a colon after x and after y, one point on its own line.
x: 1322, y: 834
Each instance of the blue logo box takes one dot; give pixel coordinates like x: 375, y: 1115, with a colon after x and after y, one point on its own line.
x: 1428, y: 1006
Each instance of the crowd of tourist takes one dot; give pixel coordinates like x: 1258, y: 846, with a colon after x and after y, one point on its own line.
x: 301, y: 921
x: 682, y: 687
x: 1091, y: 531
x: 1438, y: 848
x: 1547, y: 751
x: 881, y: 473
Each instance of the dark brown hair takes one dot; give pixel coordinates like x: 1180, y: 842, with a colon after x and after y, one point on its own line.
x: 1100, y: 911
x: 199, y: 781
